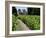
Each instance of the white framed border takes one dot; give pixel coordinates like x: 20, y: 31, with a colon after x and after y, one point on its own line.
x: 28, y: 31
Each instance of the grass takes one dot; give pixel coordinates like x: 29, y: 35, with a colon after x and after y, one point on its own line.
x: 32, y: 21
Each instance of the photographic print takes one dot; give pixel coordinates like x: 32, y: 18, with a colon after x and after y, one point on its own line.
x: 25, y: 18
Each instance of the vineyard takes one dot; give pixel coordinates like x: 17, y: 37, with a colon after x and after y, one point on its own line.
x: 31, y: 21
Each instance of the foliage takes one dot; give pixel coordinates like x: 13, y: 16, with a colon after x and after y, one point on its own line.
x: 14, y: 18
x: 33, y: 21
x: 14, y: 11
x: 15, y: 24
x: 33, y: 11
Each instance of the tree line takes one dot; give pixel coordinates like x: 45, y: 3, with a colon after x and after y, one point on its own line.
x: 31, y: 11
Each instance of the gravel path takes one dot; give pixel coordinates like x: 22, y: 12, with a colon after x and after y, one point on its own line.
x: 22, y: 25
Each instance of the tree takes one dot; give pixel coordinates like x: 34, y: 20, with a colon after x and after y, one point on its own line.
x: 14, y: 11
x: 29, y: 10
x: 37, y: 11
x: 33, y: 11
x: 25, y: 12
x: 19, y: 10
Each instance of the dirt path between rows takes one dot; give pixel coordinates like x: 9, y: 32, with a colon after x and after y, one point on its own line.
x: 22, y: 25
